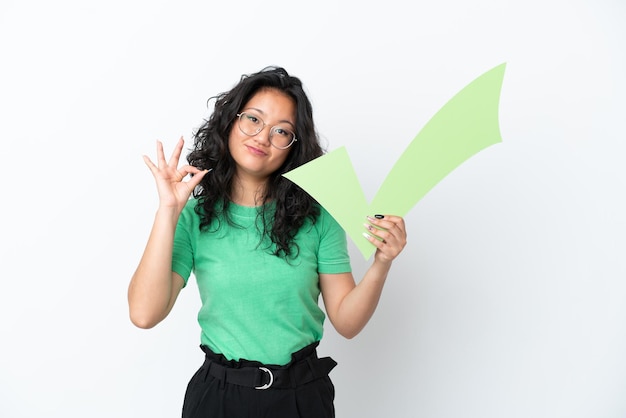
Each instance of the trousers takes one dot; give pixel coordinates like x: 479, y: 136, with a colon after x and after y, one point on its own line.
x: 223, y: 388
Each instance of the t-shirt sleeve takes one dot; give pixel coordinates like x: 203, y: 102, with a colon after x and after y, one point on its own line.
x: 182, y: 253
x: 333, y: 254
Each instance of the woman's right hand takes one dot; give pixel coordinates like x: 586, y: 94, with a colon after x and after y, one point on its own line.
x: 173, y: 191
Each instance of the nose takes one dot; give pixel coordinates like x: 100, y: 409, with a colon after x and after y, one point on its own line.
x: 263, y: 137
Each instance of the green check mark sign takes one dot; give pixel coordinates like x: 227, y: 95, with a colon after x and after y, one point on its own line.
x: 465, y: 125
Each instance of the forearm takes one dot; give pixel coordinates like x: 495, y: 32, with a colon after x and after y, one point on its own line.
x: 151, y: 290
x: 358, y: 306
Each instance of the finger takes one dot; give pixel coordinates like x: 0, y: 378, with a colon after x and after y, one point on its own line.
x: 387, y: 246
x: 386, y: 221
x: 176, y: 153
x: 197, y: 178
x: 371, y: 237
x: 394, y: 224
x: 381, y: 235
x: 397, y: 220
x: 161, y: 163
x: 149, y: 163
x: 185, y: 170
x: 182, y: 172
x: 389, y: 229
x: 190, y: 169
x: 380, y: 224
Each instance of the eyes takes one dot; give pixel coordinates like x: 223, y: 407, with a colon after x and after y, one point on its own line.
x: 280, y: 131
x: 281, y: 136
x: 253, y: 119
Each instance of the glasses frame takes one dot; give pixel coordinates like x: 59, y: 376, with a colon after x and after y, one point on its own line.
x: 239, y: 115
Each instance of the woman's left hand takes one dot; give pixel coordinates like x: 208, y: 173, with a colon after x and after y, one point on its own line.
x: 388, y: 234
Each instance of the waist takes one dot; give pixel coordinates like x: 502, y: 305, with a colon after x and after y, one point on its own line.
x: 304, y: 367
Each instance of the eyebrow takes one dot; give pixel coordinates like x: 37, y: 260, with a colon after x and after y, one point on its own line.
x: 264, y: 114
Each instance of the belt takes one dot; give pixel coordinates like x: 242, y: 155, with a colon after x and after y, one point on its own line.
x: 265, y: 377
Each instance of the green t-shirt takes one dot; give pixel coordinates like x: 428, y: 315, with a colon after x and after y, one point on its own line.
x: 257, y: 306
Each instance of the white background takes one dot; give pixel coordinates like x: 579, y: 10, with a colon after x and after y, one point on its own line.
x: 509, y: 300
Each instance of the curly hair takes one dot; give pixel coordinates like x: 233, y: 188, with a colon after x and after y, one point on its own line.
x: 291, y: 206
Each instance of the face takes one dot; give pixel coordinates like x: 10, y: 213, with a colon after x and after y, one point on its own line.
x: 254, y: 155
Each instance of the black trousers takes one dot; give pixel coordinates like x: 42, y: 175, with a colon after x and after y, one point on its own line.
x: 224, y: 388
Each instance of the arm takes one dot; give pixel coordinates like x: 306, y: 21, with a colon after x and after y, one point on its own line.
x: 350, y: 306
x: 153, y: 288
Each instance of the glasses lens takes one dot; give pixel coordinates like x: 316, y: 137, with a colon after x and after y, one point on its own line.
x: 281, y: 137
x: 250, y: 124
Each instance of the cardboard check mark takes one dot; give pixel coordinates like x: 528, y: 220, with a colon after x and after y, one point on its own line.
x: 465, y: 125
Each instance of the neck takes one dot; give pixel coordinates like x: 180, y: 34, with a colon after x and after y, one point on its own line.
x: 248, y: 191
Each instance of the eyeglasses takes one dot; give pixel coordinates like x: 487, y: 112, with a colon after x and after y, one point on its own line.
x: 281, y: 136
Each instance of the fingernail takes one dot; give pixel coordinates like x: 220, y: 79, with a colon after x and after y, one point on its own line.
x: 368, y: 226
x: 367, y: 236
x: 379, y: 216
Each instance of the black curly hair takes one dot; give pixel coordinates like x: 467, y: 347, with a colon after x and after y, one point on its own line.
x: 210, y: 151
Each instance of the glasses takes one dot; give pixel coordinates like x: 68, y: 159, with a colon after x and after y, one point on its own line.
x: 281, y: 136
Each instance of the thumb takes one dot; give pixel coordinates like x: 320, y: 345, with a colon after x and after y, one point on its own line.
x: 197, y: 178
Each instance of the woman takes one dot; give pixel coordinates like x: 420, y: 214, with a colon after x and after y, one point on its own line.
x: 261, y: 250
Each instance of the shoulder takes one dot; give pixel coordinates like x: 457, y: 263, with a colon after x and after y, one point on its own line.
x: 325, y: 223
x: 325, y: 218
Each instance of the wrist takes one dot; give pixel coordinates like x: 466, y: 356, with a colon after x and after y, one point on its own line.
x: 167, y: 213
x: 379, y: 269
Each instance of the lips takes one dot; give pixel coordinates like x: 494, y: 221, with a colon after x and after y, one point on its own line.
x: 255, y: 151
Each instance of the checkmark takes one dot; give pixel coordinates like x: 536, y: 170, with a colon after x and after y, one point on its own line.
x: 465, y: 125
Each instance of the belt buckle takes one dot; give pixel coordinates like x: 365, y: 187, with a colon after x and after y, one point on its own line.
x: 269, y: 384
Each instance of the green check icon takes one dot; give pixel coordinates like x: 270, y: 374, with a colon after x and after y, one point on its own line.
x: 465, y: 125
